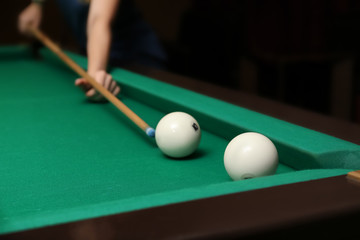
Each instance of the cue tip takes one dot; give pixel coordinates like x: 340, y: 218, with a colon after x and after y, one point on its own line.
x: 150, y: 132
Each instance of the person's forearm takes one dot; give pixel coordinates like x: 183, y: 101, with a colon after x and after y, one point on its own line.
x: 101, y: 15
x: 98, y: 46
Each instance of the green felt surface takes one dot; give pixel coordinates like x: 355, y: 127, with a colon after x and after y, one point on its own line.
x: 63, y: 159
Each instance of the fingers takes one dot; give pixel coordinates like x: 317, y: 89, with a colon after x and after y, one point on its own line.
x: 108, y: 82
x: 102, y: 78
x: 92, y: 93
x: 94, y: 96
x: 24, y: 23
x: 29, y: 17
x: 116, y: 90
x: 83, y: 84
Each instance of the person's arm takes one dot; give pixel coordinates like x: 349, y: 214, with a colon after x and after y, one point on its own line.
x: 101, y: 15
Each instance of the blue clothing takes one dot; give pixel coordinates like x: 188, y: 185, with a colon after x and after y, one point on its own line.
x: 133, y: 40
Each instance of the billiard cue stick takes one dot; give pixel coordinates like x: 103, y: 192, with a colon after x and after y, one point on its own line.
x: 79, y: 70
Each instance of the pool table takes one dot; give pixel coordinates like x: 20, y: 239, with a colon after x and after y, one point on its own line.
x: 71, y: 169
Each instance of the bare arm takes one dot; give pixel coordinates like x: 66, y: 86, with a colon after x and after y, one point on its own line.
x: 101, y: 15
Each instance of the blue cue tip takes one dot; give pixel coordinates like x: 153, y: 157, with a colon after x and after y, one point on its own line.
x: 150, y: 132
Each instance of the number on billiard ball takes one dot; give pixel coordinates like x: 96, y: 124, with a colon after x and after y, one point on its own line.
x: 178, y: 134
x: 250, y: 155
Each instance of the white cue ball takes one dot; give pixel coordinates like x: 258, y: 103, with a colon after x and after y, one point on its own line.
x: 250, y: 155
x: 178, y: 134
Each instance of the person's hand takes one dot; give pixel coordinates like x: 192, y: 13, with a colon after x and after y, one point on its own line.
x: 30, y: 17
x: 104, y: 79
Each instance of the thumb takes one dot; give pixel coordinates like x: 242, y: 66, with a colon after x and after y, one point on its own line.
x: 82, y: 84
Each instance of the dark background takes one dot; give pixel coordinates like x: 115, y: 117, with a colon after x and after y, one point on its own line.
x: 301, y: 52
